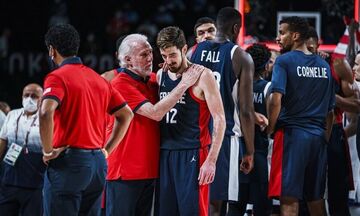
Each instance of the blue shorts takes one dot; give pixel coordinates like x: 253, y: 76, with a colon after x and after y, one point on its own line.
x: 178, y: 189
x: 298, y: 165
x: 129, y: 197
x: 226, y: 182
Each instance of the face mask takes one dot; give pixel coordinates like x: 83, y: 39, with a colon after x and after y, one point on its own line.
x: 29, y: 104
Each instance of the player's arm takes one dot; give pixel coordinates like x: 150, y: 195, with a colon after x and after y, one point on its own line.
x: 278, y: 89
x: 343, y: 70
x: 213, y: 99
x: 158, y: 111
x: 350, y: 51
x: 46, y: 120
x: 3, y: 144
x: 273, y: 110
x: 350, y: 129
x: 123, y: 119
x: 347, y: 88
x: 348, y: 104
x: 243, y: 66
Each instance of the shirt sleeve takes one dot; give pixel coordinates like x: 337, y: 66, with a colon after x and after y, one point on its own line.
x: 279, y: 77
x: 4, y: 128
x: 54, y: 88
x: 116, y: 101
x: 131, y: 94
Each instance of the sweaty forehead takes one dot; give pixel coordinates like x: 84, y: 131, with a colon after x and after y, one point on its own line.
x: 169, y: 50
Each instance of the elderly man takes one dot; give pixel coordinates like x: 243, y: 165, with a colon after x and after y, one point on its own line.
x: 133, y: 168
x: 22, y: 166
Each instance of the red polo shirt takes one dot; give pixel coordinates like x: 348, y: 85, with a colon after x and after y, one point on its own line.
x: 137, y: 156
x: 84, y: 99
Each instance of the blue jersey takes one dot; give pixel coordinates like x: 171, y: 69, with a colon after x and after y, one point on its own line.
x: 307, y: 87
x: 185, y: 126
x: 260, y: 89
x: 218, y: 58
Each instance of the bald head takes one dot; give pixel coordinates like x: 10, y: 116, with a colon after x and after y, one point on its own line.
x: 228, y: 22
x: 32, y: 90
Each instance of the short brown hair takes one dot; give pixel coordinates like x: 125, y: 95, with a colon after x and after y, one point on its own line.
x: 171, y: 36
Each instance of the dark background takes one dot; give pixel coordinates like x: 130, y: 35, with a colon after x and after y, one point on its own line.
x: 23, y: 55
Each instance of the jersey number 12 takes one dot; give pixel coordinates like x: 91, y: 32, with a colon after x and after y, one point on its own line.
x: 170, y: 116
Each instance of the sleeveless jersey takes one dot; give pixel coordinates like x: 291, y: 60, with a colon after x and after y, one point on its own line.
x: 218, y: 58
x: 260, y: 88
x: 185, y: 126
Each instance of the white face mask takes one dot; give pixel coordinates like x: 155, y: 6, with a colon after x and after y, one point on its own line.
x: 29, y: 104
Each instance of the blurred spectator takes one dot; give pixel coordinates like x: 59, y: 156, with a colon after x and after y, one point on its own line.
x: 22, y: 167
x: 59, y: 13
x: 4, y: 107
x: 4, y: 42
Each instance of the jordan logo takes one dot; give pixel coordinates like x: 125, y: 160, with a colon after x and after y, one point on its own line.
x: 163, y: 84
x: 193, y: 159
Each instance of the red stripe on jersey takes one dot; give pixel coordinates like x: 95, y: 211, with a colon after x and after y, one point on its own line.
x: 204, y: 119
x: 276, y: 165
x: 203, y: 189
x: 344, y: 39
x: 338, y: 115
x: 194, y: 48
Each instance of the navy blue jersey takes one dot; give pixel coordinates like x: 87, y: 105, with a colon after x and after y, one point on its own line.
x: 185, y: 126
x: 260, y: 88
x: 218, y: 58
x: 307, y: 87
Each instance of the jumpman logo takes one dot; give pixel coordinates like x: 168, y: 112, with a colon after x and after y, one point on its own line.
x: 163, y: 84
x: 193, y: 159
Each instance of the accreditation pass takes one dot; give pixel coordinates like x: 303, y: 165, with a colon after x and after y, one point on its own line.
x: 13, y: 154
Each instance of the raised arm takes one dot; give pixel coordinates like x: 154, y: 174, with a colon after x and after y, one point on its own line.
x: 158, y: 110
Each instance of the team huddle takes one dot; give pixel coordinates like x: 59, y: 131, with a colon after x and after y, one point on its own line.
x: 190, y: 139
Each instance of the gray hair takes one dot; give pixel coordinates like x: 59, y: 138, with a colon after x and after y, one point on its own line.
x: 127, y: 46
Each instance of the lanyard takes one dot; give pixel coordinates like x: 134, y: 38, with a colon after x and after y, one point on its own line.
x: 27, y: 132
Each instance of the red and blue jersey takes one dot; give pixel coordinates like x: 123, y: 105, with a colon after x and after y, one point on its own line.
x: 307, y: 87
x: 186, y: 125
x: 218, y: 58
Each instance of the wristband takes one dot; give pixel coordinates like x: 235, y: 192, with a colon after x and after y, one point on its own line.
x: 47, y: 154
